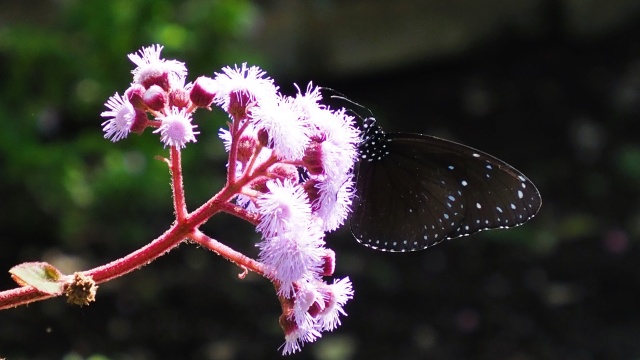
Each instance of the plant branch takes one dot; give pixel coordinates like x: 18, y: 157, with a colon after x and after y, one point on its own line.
x: 146, y: 254
x: 228, y: 253
x: 233, y: 209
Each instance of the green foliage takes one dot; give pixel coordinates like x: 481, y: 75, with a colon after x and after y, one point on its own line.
x: 60, y: 70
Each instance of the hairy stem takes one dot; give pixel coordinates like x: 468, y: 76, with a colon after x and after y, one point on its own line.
x: 179, y: 203
x: 228, y: 253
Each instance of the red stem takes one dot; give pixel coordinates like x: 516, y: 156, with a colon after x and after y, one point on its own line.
x: 233, y: 151
x: 140, y: 257
x: 185, y: 227
x: 114, y: 269
x: 237, y: 258
x: 252, y: 218
x: 20, y: 296
x: 179, y: 203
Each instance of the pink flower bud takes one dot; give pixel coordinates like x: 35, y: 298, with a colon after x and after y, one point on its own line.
x: 179, y: 98
x: 288, y: 325
x: 285, y: 172
x: 263, y: 137
x: 310, y: 187
x: 312, y: 158
x: 135, y: 94
x: 260, y: 184
x: 155, y: 76
x: 238, y: 104
x: 155, y: 98
x: 246, y: 146
x: 203, y: 92
x: 315, y: 309
x: 329, y: 263
x: 140, y: 122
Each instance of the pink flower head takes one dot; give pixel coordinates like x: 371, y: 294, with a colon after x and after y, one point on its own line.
x: 293, y: 257
x: 306, y: 294
x: 240, y: 87
x: 121, y: 116
x: 340, y: 138
x: 292, y: 245
x: 288, y: 132
x: 296, y: 336
x: 335, y: 196
x: 309, y: 102
x: 176, y: 128
x: 336, y: 296
x: 285, y: 206
x: 152, y: 70
x: 316, y: 307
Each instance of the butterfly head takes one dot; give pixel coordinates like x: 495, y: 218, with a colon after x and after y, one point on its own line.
x: 373, y: 144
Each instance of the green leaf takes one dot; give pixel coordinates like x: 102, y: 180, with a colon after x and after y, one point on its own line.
x: 41, y: 275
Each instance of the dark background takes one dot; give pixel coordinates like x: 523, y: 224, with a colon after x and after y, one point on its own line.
x: 551, y: 87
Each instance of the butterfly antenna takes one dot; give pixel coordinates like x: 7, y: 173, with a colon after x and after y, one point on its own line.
x: 341, y: 96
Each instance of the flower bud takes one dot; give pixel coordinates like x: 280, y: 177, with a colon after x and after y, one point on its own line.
x: 238, y: 105
x: 155, y: 98
x: 312, y: 158
x: 139, y: 122
x: 284, y: 172
x: 135, y: 93
x: 155, y: 76
x: 260, y: 184
x: 288, y: 325
x: 246, y: 147
x: 263, y: 137
x: 179, y: 98
x: 328, y: 262
x: 203, y: 92
x: 315, y: 309
x: 313, y: 193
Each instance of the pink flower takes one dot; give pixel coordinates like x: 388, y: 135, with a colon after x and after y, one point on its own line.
x: 288, y: 133
x: 293, y: 156
x: 334, y: 202
x: 292, y: 257
x: 152, y: 70
x: 306, y: 294
x: 296, y: 337
x: 292, y: 245
x: 243, y: 86
x: 309, y: 102
x: 315, y: 307
x: 284, y: 207
x: 336, y: 296
x: 176, y: 129
x: 340, y: 138
x: 121, y: 117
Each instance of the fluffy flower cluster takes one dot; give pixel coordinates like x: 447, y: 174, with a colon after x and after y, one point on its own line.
x: 301, y: 155
x: 158, y: 89
x: 292, y: 157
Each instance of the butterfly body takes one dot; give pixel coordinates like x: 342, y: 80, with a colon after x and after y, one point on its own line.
x: 414, y: 191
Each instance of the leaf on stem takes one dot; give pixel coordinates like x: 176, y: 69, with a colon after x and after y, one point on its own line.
x: 41, y: 275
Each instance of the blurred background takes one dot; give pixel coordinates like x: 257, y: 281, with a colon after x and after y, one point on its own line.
x: 550, y: 86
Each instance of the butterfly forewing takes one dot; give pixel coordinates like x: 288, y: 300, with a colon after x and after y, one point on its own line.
x: 387, y: 211
x: 420, y: 190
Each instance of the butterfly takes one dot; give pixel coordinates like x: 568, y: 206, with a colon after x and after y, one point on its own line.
x: 414, y: 191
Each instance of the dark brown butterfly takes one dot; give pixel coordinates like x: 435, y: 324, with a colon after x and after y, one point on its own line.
x: 414, y: 191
